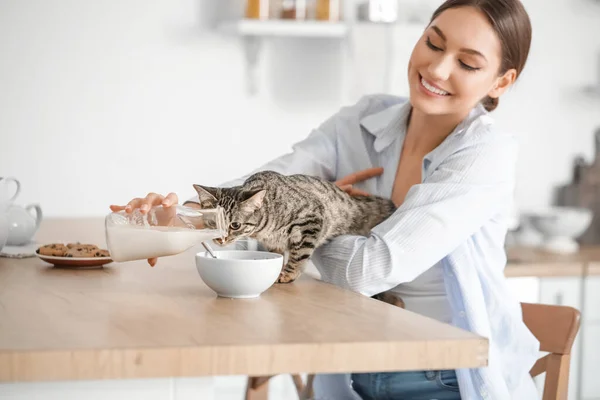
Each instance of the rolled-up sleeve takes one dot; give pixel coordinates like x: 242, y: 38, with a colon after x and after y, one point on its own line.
x: 465, y: 191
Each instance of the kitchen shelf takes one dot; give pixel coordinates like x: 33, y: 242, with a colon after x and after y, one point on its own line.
x: 254, y: 32
x: 286, y: 28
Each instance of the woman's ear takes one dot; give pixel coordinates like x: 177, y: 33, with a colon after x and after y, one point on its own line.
x: 503, y: 83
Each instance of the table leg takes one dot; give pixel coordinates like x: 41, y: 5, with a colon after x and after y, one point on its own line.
x: 257, y: 388
x: 307, y: 391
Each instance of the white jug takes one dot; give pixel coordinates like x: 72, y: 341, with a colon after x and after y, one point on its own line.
x: 22, y: 226
x: 5, y: 198
x: 3, y: 227
x: 5, y: 201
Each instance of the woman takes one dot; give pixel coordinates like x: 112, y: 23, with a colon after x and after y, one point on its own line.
x: 451, y: 173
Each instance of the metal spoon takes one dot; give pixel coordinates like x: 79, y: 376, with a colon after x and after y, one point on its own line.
x: 207, y: 247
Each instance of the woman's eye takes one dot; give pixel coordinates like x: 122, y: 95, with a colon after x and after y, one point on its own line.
x: 235, y: 226
x: 432, y: 46
x: 468, y: 67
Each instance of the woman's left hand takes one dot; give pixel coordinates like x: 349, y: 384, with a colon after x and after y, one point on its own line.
x: 347, y: 182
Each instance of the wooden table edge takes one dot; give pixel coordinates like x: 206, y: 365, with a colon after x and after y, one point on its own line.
x: 255, y: 360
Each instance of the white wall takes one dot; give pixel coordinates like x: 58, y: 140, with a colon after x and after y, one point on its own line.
x: 103, y: 101
x: 548, y: 111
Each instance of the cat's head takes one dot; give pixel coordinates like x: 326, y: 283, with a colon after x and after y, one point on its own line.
x: 242, y: 209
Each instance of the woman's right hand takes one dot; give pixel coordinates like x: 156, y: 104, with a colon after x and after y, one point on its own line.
x: 347, y: 183
x: 145, y: 204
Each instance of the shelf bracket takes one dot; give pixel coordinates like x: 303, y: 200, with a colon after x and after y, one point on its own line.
x: 252, y: 47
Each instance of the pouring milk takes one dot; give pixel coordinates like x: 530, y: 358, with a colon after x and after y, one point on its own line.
x: 162, y: 232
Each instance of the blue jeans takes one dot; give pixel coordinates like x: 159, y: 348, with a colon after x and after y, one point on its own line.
x: 417, y: 385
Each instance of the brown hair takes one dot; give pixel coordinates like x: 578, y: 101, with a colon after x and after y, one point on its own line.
x: 512, y: 25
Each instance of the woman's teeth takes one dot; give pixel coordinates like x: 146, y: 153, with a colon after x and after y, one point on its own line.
x: 433, y: 89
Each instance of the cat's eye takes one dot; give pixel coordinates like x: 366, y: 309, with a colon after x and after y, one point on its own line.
x: 235, y: 226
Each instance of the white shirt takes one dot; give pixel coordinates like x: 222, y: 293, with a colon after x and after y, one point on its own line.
x: 426, y: 294
x: 457, y: 217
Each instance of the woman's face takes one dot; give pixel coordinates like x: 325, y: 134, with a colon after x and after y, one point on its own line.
x: 456, y: 63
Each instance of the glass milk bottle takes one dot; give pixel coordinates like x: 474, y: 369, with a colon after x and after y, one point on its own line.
x: 161, y: 232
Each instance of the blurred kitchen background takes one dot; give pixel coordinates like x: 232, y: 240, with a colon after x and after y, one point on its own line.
x: 104, y: 101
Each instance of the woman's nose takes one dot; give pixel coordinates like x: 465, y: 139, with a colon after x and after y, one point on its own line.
x: 440, y: 68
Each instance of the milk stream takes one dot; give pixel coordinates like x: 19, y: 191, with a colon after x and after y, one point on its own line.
x: 129, y: 243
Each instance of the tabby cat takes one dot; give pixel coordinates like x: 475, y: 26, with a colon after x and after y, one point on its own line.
x: 295, y: 213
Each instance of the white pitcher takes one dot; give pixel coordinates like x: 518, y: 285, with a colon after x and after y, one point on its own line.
x: 3, y: 227
x: 18, y: 225
x: 5, y: 198
x: 22, y: 226
x: 5, y: 201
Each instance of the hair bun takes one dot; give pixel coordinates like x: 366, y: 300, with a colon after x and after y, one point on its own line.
x: 490, y: 103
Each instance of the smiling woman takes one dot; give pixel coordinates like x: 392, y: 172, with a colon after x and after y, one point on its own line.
x: 462, y: 59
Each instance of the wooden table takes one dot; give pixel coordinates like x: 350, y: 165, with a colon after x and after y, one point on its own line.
x: 132, y: 321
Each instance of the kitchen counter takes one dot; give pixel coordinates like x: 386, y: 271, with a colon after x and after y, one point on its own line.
x: 523, y: 262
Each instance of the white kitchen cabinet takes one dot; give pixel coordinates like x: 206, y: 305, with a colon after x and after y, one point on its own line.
x: 591, y: 312
x: 564, y: 291
x: 281, y: 387
x: 590, y: 339
x: 126, y: 389
x: 590, y: 384
x: 525, y: 289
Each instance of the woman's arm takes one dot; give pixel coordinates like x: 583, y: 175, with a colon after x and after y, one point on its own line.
x: 464, y: 192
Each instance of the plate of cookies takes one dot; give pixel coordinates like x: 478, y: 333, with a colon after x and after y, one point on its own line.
x: 74, y: 255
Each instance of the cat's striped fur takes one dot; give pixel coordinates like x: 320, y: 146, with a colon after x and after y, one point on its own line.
x: 295, y: 213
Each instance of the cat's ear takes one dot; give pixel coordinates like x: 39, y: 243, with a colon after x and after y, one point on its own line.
x: 254, y: 202
x: 207, y: 196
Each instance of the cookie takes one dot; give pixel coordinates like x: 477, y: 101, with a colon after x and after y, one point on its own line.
x: 101, y: 253
x: 80, y: 252
x: 53, y: 249
x: 81, y: 245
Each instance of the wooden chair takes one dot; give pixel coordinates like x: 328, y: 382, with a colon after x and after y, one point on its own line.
x: 556, y: 328
x: 257, y: 387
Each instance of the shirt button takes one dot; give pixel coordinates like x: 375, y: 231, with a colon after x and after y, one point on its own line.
x: 462, y: 314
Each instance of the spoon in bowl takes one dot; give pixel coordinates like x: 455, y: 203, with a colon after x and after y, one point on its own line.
x: 208, y: 248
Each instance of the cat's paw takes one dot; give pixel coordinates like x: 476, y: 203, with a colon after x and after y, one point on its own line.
x: 287, y: 277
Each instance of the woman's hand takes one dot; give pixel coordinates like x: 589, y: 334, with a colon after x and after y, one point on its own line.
x: 145, y: 204
x: 346, y: 182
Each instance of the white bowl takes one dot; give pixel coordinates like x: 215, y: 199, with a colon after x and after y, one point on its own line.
x: 239, y: 274
x: 570, y: 222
